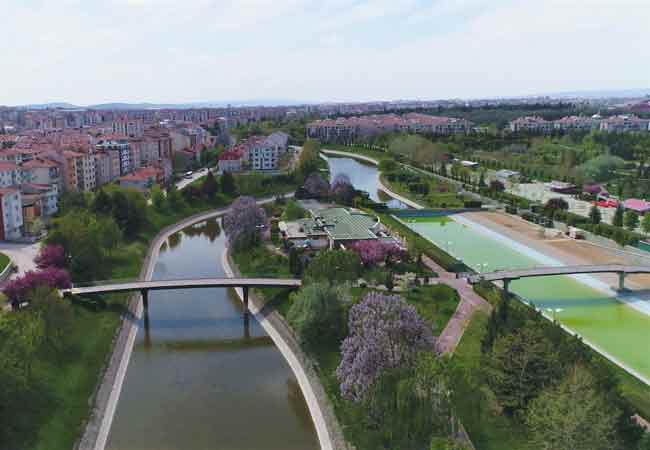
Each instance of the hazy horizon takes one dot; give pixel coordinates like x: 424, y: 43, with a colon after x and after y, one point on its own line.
x: 155, y: 51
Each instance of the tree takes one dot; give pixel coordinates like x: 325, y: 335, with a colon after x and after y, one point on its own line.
x: 334, y: 266
x: 293, y: 211
x: 57, y: 317
x: 209, y: 187
x: 295, y: 262
x: 157, y: 198
x: 316, y: 314
x: 617, y: 220
x: 129, y: 208
x: 594, y: 215
x: 600, y: 168
x: 376, y: 251
x: 631, y: 220
x: 481, y: 180
x: 573, y: 415
x: 51, y: 256
x: 18, y: 289
x: 520, y: 366
x: 102, y: 204
x: 497, y: 186
x: 175, y: 199
x: 556, y: 204
x: 387, y: 165
x: 109, y: 234
x: 385, y: 333
x: 228, y: 186
x: 309, y: 159
x: 243, y: 222
x: 342, y: 189
x: 315, y: 186
x: 645, y: 224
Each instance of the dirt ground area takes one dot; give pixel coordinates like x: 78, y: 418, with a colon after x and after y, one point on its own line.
x: 569, y: 251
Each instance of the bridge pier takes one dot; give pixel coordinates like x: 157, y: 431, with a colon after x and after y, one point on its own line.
x: 245, y: 290
x: 145, y: 300
x: 506, y: 286
x: 621, y: 281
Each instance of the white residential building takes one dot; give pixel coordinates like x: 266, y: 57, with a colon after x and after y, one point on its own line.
x: 11, y: 214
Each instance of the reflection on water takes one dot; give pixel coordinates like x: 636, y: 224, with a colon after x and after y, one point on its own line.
x: 364, y: 177
x: 201, y: 377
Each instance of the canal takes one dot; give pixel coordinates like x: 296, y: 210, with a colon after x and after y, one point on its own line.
x: 199, y: 378
x: 364, y: 177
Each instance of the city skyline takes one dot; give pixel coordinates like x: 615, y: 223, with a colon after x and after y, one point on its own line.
x: 339, y: 50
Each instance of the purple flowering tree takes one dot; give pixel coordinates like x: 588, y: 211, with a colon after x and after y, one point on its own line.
x: 244, y: 222
x: 51, y: 256
x: 385, y: 333
x: 52, y: 277
x: 316, y: 186
x: 376, y: 251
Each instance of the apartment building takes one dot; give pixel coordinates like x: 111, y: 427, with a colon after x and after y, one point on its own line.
x: 79, y: 171
x: 10, y: 174
x: 625, y: 124
x: 531, y: 124
x: 133, y: 128
x: 121, y: 146
x: 42, y: 171
x: 11, y: 214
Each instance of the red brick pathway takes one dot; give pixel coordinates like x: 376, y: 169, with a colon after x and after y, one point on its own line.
x: 470, y: 302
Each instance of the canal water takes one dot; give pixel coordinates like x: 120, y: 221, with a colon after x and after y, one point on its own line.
x: 364, y: 177
x: 577, y: 302
x: 198, y: 377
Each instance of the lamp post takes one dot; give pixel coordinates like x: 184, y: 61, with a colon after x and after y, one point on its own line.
x: 554, y: 311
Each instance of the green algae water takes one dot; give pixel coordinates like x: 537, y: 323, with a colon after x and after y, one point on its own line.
x: 614, y: 327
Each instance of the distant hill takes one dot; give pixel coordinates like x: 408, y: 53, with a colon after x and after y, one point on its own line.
x: 613, y: 93
x: 131, y: 106
x: 52, y: 105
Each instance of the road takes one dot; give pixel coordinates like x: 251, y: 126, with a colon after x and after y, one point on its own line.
x: 195, y: 176
x: 21, y: 254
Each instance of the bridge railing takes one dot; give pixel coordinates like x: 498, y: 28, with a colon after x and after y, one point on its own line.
x: 115, y: 281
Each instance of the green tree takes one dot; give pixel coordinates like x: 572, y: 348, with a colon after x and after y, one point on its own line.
x: 645, y: 224
x: 158, y: 198
x: 228, y: 186
x: 521, y: 365
x: 387, y: 165
x: 334, y: 266
x: 316, y: 314
x: 109, y: 234
x: 617, y: 220
x: 293, y: 211
x: 57, y: 317
x: 309, y: 159
x: 175, y: 200
x: 631, y: 220
x: 573, y: 415
x: 102, y: 204
x: 209, y: 187
x: 594, y: 215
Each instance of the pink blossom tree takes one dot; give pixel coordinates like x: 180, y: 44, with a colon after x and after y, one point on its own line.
x: 53, y: 277
x: 376, y: 251
x: 244, y: 222
x: 51, y: 256
x: 385, y: 333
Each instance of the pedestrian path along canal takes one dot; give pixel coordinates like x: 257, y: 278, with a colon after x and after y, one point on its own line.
x: 199, y: 378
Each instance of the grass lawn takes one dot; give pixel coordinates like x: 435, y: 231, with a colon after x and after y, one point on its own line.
x: 488, y: 431
x: 4, y: 260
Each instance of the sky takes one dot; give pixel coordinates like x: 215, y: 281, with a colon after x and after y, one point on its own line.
x: 170, y: 51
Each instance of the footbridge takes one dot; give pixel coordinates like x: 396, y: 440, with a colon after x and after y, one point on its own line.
x: 510, y: 275
x: 195, y: 283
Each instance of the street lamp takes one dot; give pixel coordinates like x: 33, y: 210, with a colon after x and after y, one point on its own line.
x: 554, y: 311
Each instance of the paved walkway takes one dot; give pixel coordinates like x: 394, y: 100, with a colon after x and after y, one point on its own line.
x: 470, y: 302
